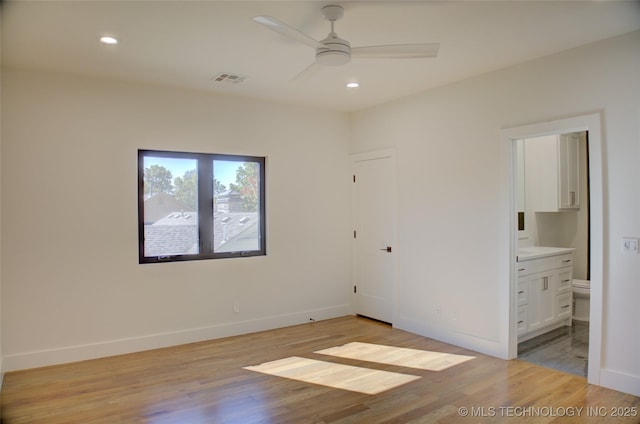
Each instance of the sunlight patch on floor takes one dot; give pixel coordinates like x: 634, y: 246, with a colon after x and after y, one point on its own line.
x: 391, y: 355
x: 339, y: 376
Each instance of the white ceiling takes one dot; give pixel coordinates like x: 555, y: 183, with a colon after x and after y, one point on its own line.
x: 187, y: 43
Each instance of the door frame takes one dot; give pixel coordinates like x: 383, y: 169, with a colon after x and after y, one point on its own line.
x: 592, y: 124
x: 373, y: 155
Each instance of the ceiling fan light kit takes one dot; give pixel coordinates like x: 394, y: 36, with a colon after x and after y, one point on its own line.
x: 335, y: 51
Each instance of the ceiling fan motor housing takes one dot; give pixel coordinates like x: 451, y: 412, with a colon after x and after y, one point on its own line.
x: 335, y: 52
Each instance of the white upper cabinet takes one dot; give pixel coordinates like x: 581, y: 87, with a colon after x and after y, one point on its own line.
x: 569, y: 170
x: 552, y: 172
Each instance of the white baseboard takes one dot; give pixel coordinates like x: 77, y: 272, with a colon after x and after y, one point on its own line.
x: 48, y: 357
x: 467, y: 341
x: 610, y: 379
x: 619, y: 381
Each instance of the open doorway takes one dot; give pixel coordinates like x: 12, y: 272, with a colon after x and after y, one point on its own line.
x: 552, y: 200
x: 591, y: 125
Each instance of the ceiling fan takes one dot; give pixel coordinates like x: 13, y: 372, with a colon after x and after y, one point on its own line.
x: 335, y: 51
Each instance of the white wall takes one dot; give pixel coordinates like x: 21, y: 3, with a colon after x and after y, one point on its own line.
x: 72, y: 285
x: 454, y: 247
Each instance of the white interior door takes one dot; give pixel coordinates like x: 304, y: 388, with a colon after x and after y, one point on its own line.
x: 374, y: 209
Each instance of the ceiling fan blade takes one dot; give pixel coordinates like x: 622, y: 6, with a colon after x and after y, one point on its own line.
x: 397, y: 51
x: 288, y: 31
x: 307, y: 72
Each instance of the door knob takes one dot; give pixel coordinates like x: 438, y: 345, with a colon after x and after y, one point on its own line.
x: 388, y: 249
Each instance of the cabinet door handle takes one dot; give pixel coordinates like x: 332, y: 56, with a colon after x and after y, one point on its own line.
x: 521, y: 291
x: 565, y: 306
x: 546, y: 283
x: 566, y: 261
x: 520, y: 322
x: 522, y: 269
x: 565, y: 281
x: 573, y: 198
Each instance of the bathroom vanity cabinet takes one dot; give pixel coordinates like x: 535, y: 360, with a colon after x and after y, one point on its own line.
x: 553, y: 171
x: 544, y: 293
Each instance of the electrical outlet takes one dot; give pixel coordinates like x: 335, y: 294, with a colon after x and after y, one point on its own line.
x: 629, y: 245
x: 236, y: 307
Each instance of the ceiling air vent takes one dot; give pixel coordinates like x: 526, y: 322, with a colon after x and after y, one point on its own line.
x: 227, y: 77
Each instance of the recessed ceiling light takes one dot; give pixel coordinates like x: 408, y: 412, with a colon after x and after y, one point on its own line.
x: 106, y: 39
x: 353, y: 85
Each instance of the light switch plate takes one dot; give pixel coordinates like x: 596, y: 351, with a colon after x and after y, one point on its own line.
x: 629, y: 245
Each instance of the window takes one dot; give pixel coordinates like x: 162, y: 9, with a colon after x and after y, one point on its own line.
x: 200, y: 206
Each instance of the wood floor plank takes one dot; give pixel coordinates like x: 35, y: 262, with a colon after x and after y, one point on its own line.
x: 206, y: 383
x: 400, y: 356
x: 340, y: 376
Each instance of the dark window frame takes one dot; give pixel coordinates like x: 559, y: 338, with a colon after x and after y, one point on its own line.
x: 205, y: 206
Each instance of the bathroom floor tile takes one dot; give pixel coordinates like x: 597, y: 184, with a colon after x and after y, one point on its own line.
x: 565, y: 349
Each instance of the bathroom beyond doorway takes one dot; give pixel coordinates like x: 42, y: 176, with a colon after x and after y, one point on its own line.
x: 553, y: 205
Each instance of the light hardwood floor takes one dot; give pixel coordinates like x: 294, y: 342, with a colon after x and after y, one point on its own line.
x: 206, y: 383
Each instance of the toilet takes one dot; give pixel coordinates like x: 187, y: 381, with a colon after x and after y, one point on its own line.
x: 581, y: 297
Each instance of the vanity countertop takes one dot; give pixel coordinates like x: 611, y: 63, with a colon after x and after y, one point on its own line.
x: 534, y: 252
